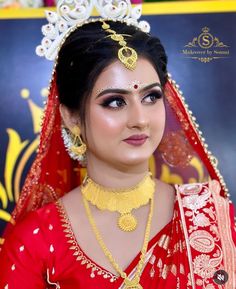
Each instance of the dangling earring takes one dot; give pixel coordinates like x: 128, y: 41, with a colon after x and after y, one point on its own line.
x: 78, y: 146
x: 74, y: 144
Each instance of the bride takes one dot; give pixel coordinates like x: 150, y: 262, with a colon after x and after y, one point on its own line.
x: 101, y: 207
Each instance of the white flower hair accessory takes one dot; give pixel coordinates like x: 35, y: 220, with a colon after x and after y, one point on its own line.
x: 72, y: 13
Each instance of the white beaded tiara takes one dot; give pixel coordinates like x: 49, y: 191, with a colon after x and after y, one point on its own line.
x: 73, y: 13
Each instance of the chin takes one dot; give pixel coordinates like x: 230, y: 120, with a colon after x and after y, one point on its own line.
x: 135, y: 159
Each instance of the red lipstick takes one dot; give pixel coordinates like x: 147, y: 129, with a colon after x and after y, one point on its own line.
x: 136, y: 139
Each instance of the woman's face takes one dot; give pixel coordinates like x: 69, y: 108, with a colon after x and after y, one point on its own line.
x: 125, y: 117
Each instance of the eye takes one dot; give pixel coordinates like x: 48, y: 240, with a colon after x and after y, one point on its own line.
x: 152, y: 97
x: 114, y: 102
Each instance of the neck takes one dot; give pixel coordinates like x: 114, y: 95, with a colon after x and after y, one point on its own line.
x: 114, y: 176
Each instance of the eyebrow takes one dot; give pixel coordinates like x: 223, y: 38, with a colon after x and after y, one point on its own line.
x: 125, y: 91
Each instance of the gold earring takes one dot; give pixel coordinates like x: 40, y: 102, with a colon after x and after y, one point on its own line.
x: 77, y: 147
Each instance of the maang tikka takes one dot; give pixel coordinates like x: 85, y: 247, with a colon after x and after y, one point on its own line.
x: 127, y: 55
x: 74, y: 143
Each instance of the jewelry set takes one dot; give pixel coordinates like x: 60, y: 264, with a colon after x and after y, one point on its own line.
x: 69, y: 16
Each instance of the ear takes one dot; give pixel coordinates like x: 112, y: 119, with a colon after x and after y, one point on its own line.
x: 69, y: 118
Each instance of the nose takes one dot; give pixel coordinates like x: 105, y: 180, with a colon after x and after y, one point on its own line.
x: 137, y: 116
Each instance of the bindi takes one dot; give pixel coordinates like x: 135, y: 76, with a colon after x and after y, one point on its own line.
x: 135, y: 85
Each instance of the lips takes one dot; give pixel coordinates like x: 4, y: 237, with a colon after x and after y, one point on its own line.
x: 137, y: 139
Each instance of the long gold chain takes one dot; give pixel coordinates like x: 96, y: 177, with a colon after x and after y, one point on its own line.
x: 134, y: 283
x: 122, y: 201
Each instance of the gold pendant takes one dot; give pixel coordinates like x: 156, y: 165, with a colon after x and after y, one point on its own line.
x: 128, y: 56
x: 127, y: 222
x: 132, y: 284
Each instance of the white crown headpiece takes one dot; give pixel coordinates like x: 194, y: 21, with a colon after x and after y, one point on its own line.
x: 72, y: 13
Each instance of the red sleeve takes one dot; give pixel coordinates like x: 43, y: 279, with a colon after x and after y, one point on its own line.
x: 23, y: 256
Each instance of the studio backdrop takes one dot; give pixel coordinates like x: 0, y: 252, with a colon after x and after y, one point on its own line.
x: 200, y: 40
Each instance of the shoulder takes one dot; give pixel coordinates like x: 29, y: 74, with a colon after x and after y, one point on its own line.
x: 26, y: 241
x: 32, y: 227
x: 165, y: 194
x: 38, y: 217
x: 27, y: 250
x: 163, y: 188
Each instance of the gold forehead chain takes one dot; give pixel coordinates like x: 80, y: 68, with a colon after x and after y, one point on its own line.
x: 127, y: 55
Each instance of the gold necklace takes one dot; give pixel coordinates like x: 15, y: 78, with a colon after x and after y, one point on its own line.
x: 122, y: 201
x: 135, y: 282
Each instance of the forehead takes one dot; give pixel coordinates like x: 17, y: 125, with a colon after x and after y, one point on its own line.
x: 116, y: 75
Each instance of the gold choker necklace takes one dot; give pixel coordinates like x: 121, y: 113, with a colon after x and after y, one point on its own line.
x: 122, y: 201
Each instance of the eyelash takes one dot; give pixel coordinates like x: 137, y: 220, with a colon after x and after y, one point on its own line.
x: 107, y: 102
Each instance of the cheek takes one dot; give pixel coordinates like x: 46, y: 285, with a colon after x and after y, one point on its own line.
x: 104, y: 122
x: 159, y: 118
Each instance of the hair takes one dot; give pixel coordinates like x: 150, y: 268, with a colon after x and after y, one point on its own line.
x: 87, y: 51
